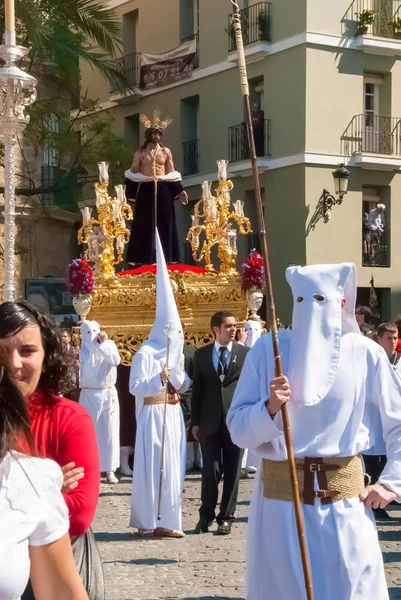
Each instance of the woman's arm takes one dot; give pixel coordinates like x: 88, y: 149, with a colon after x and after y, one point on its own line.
x: 77, y: 443
x: 53, y: 572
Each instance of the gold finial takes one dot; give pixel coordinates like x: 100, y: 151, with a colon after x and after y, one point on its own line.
x: 214, y: 218
x: 107, y: 235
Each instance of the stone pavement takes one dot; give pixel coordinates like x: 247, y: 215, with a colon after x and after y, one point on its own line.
x: 198, y: 566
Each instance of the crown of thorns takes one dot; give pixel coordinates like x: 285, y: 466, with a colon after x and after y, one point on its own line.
x: 157, y: 122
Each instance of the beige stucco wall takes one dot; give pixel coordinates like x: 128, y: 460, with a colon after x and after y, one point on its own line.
x: 340, y: 240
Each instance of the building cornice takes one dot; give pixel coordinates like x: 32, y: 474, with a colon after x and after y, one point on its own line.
x: 243, y: 168
x: 338, y: 42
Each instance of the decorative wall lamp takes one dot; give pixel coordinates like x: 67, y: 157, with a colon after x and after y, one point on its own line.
x: 341, y: 178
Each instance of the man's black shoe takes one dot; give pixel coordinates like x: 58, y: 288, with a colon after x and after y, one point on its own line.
x: 203, y: 525
x: 380, y: 514
x: 224, y: 528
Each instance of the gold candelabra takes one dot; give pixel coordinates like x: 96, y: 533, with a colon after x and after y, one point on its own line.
x: 107, y: 235
x: 214, y: 218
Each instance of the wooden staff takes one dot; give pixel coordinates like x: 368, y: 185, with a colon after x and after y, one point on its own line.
x: 270, y: 302
x: 155, y: 193
x: 168, y: 332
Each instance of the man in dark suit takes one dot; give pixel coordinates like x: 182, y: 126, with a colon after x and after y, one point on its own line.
x: 216, y: 372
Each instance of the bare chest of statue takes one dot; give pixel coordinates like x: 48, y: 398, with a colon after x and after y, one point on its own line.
x: 153, y: 161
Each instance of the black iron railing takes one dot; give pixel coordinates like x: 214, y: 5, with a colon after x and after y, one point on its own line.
x: 375, y: 249
x: 238, y: 145
x: 191, y: 157
x: 130, y: 66
x: 372, y: 134
x: 255, y: 21
x: 386, y: 13
x: 194, y: 36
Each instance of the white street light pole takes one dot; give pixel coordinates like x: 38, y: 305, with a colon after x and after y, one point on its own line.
x: 17, y: 91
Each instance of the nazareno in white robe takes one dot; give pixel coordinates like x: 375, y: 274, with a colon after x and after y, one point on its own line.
x: 346, y: 560
x: 145, y: 382
x: 98, y: 370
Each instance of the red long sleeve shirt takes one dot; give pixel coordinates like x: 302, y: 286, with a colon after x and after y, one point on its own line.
x: 64, y: 431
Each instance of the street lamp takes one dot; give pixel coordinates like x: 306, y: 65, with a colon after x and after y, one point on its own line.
x: 17, y: 91
x: 341, y: 178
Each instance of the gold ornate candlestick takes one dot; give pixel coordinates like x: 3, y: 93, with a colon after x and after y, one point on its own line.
x: 213, y: 217
x: 107, y: 235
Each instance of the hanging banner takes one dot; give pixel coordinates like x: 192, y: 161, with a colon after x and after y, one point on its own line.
x: 158, y: 70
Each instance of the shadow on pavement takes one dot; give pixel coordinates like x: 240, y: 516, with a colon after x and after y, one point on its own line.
x: 115, y: 536
x: 103, y: 494
x: 392, y: 557
x: 142, y: 561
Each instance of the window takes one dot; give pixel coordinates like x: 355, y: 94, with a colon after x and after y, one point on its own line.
x: 190, y: 134
x: 189, y: 19
x: 50, y: 127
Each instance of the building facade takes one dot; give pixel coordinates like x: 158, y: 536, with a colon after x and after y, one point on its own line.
x: 330, y: 91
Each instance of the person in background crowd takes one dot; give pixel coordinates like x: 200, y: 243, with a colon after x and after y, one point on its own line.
x: 73, y: 365
x: 375, y: 458
x: 363, y: 315
x: 397, y: 321
x: 194, y: 454
x: 33, y: 515
x: 216, y: 373
x: 99, y: 359
x: 62, y: 429
x: 127, y: 420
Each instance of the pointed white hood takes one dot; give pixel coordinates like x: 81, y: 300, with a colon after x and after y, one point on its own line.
x: 167, y: 314
x: 89, y: 332
x: 254, y: 331
x: 318, y: 323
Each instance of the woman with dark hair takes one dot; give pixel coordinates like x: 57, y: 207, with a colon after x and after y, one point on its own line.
x: 62, y: 429
x: 33, y: 515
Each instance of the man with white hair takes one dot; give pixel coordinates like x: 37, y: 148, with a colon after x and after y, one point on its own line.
x: 99, y: 359
x: 376, y: 219
x: 335, y: 381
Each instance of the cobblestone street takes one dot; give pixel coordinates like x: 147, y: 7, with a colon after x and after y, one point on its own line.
x: 198, y: 566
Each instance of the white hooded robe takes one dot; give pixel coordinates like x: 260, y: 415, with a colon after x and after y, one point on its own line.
x: 98, y: 375
x: 145, y: 381
x: 345, y: 557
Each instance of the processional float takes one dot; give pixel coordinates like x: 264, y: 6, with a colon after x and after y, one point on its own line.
x: 124, y: 303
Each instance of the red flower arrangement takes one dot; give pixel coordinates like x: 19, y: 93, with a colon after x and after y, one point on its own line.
x: 253, y: 271
x: 80, y: 277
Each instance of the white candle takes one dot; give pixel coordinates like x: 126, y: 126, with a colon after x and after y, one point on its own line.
x: 9, y: 10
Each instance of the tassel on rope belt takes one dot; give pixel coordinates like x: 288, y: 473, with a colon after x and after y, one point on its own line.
x: 338, y: 479
x: 159, y: 399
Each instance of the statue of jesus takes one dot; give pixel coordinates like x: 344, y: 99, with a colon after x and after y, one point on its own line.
x: 153, y: 184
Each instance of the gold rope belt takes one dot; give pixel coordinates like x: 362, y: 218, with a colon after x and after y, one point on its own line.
x: 159, y: 399
x: 110, y: 387
x: 338, y: 479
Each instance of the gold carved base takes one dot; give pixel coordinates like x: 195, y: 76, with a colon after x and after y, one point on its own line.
x: 125, y: 306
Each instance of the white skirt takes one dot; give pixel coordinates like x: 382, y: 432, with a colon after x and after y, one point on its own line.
x: 344, y: 552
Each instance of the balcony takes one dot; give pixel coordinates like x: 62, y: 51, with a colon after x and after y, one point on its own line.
x: 130, y: 66
x: 190, y: 157
x: 374, y: 142
x: 383, y: 36
x: 376, y: 249
x: 238, y: 145
x: 255, y: 21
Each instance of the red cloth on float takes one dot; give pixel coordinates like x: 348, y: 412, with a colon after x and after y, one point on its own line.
x: 64, y: 431
x: 398, y: 348
x: 152, y: 269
